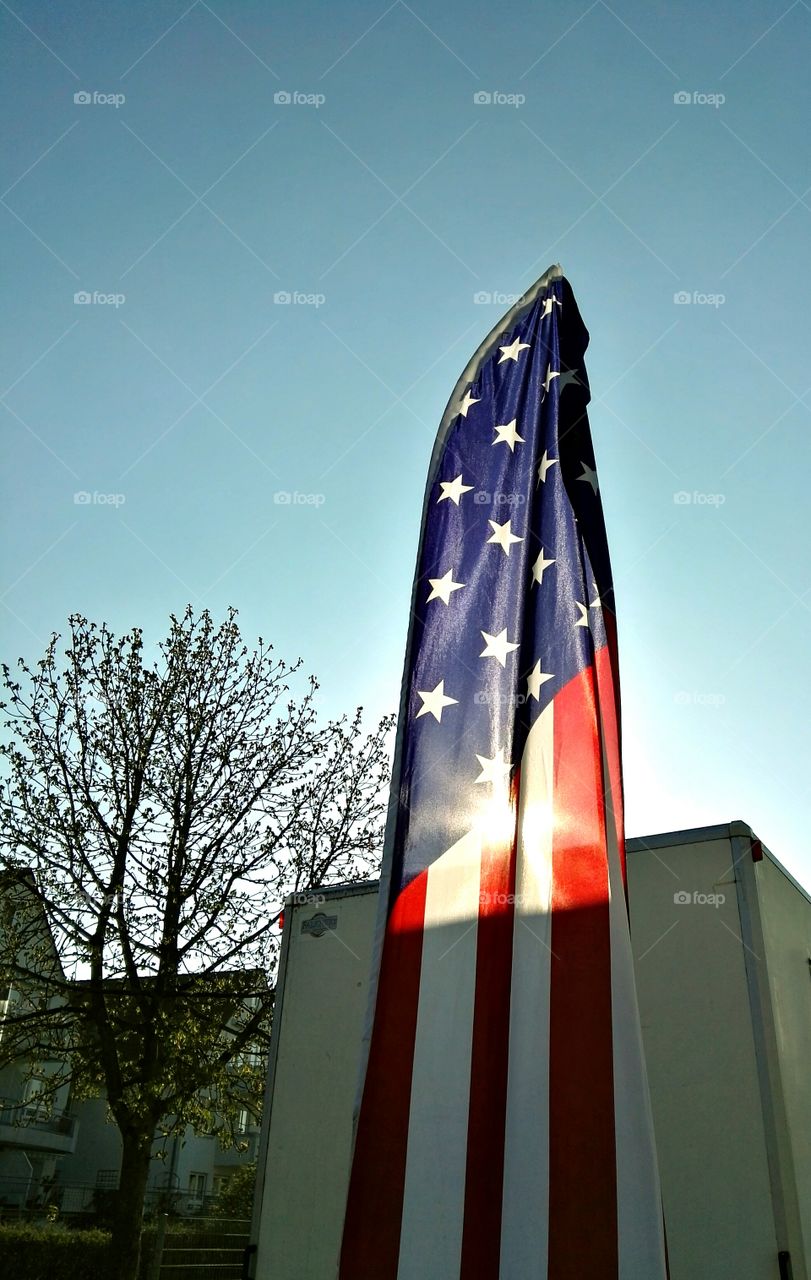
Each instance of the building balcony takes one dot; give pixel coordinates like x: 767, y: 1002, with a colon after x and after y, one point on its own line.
x: 28, y: 1126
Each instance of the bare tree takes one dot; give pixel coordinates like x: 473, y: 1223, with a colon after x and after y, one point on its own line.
x: 154, y: 815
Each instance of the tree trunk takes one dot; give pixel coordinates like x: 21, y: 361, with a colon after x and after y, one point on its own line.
x: 129, y: 1207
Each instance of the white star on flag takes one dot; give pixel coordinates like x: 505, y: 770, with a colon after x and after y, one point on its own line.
x: 583, y: 620
x: 434, y: 702
x: 511, y: 351
x: 495, y: 770
x: 453, y: 489
x: 544, y: 465
x: 550, y: 374
x: 497, y: 646
x: 441, y: 588
x: 548, y: 304
x: 507, y: 434
x: 568, y: 378
x: 466, y: 404
x: 589, y: 475
x: 503, y: 535
x: 535, y: 679
x: 537, y: 569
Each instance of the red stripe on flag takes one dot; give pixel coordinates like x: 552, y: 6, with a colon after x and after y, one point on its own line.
x: 608, y: 694
x: 371, y: 1240
x: 582, y: 1153
x: 481, y: 1236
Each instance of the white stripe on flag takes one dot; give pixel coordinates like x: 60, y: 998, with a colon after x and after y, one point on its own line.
x: 525, y: 1197
x: 434, y: 1193
x: 639, y: 1206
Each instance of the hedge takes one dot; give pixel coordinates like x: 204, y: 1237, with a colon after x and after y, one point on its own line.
x: 34, y: 1251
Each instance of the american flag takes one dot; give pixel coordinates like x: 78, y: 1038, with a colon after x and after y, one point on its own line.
x: 504, y: 1128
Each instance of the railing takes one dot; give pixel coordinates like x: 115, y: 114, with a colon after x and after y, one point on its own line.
x: 199, y: 1249
x: 87, y: 1202
x: 204, y: 1247
x: 35, y: 1115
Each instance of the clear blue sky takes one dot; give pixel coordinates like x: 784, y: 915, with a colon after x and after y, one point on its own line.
x: 397, y: 199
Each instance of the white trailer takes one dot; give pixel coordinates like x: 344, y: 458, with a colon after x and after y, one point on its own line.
x: 721, y: 937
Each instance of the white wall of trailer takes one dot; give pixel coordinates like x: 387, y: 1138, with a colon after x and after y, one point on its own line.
x: 722, y: 952
x: 304, y: 1153
x: 705, y: 982
x: 781, y: 929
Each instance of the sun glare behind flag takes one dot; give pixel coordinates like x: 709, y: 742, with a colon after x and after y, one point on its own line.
x: 504, y: 1128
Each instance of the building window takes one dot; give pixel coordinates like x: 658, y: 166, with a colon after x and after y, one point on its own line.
x: 107, y: 1179
x: 35, y: 1105
x: 197, y: 1185
x: 218, y: 1183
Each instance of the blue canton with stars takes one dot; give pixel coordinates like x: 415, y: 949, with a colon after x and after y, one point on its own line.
x: 512, y: 578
